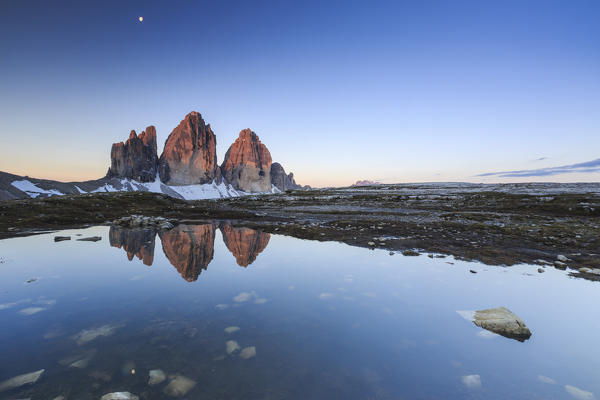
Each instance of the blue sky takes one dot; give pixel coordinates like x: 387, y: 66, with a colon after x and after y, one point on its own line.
x: 338, y: 91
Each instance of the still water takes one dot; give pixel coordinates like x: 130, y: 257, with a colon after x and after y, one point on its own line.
x: 233, y: 313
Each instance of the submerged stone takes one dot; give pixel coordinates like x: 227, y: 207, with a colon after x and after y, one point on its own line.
x: 179, y: 386
x: 231, y: 346
x: 87, y: 335
x: 579, y: 394
x: 471, y: 381
x: 503, y: 322
x: 119, y: 396
x: 248, y: 352
x: 61, y: 238
x: 21, y: 380
x: 156, y: 376
x: 31, y: 310
x: 231, y: 329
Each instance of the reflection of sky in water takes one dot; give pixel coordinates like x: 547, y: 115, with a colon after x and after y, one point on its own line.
x: 316, y: 320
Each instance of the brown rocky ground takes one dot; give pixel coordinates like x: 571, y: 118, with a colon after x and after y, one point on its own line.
x: 496, y: 227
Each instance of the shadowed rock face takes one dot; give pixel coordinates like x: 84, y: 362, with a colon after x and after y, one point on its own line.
x: 189, y: 156
x: 247, y: 164
x: 136, y: 158
x: 136, y: 242
x: 189, y: 248
x: 244, y: 243
x: 281, y: 180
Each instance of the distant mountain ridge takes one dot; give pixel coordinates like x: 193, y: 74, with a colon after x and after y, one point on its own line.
x: 186, y: 169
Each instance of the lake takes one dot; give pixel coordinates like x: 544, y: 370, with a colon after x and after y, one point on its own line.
x: 222, y: 312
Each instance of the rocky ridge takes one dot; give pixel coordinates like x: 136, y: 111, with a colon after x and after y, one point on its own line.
x: 187, y: 168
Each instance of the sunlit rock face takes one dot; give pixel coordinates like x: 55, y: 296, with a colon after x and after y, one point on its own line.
x: 247, y: 164
x: 189, y: 248
x: 190, y: 155
x: 136, y: 242
x: 136, y: 158
x: 244, y: 243
x: 282, y: 181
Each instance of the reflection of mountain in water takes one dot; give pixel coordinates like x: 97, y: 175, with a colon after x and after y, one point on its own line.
x: 244, y: 243
x: 189, y: 248
x: 138, y: 242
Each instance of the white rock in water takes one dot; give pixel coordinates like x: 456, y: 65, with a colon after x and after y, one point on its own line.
x: 471, y: 381
x: 156, y: 376
x: 119, y: 396
x: 231, y: 346
x: 579, y: 394
x: 21, y: 380
x: 179, y: 386
x: 562, y: 258
x: 503, y: 322
x: 248, y: 352
x: 231, y: 329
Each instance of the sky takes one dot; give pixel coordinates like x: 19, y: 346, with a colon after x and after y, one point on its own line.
x: 399, y: 91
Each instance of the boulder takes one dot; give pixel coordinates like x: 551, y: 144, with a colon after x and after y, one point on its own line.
x: 190, y: 155
x: 136, y: 158
x: 247, y: 164
x: 503, y: 322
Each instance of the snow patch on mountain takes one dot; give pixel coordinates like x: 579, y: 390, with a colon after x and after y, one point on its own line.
x: 32, y: 190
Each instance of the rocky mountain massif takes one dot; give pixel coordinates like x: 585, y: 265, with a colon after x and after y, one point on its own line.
x: 186, y: 169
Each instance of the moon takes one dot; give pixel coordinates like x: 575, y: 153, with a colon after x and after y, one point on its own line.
x: 141, y: 19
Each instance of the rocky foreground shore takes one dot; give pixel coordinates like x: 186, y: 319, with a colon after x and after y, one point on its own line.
x: 549, y: 225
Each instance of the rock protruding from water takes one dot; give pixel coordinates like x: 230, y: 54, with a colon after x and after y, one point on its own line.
x: 503, y: 322
x: 21, y: 380
x: 282, y: 181
x: 136, y: 158
x: 190, y: 155
x: 247, y: 164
